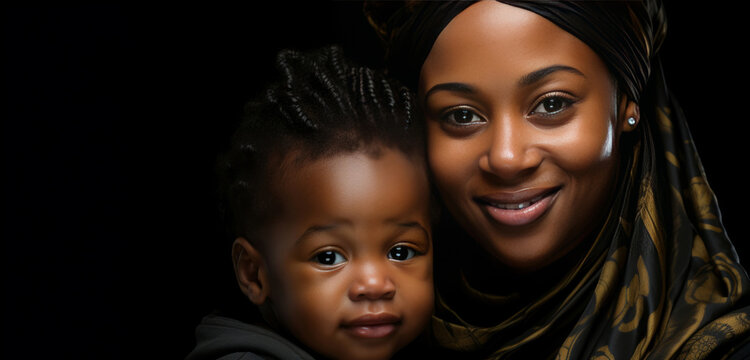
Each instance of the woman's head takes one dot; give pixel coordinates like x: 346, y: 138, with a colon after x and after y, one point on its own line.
x: 525, y: 118
x: 522, y: 143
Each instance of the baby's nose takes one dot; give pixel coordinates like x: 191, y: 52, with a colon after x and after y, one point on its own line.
x: 372, y: 282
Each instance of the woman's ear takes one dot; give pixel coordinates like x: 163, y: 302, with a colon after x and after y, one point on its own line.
x: 251, y: 271
x: 630, y: 116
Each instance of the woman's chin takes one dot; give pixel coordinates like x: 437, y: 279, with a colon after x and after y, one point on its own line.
x: 524, y: 255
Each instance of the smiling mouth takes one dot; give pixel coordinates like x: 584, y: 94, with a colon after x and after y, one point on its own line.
x: 518, y: 208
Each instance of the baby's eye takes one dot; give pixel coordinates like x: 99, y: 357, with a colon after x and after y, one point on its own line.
x: 462, y: 116
x: 329, y: 257
x: 401, y: 253
x: 552, y: 105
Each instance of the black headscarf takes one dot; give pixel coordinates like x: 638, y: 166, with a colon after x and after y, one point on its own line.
x: 660, y: 279
x: 625, y: 34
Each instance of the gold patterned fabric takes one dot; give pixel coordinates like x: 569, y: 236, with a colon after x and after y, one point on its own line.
x: 660, y: 280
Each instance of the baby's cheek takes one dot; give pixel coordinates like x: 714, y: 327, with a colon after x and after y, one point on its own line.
x: 299, y: 300
x: 419, y: 294
x: 419, y: 310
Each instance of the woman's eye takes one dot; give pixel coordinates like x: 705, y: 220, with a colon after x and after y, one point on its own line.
x: 329, y: 257
x: 462, y: 116
x: 401, y: 253
x: 552, y: 105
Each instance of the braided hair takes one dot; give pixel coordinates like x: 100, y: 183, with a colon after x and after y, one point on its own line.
x: 322, y: 106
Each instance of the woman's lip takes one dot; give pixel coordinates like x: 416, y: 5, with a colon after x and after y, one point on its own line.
x: 519, y: 196
x: 372, y: 326
x: 520, y: 207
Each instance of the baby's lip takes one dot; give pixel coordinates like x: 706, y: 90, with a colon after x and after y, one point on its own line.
x: 371, y: 319
x: 372, y: 326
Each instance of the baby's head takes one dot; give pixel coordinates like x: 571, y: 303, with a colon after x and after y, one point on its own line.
x: 327, y: 190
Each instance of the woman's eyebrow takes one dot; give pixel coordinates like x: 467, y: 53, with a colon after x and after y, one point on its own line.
x: 525, y: 80
x: 537, y: 75
x: 451, y: 86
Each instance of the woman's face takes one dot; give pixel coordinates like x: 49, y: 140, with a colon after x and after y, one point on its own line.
x: 522, y: 132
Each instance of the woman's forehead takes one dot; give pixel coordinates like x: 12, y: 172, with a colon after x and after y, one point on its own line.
x: 495, y: 40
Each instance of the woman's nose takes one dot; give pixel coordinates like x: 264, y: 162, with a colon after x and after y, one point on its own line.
x: 372, y: 282
x: 511, y: 150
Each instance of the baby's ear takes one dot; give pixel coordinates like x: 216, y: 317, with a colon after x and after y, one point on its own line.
x: 251, y: 271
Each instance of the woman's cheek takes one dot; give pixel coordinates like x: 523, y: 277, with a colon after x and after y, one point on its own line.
x: 584, y: 148
x: 450, y: 161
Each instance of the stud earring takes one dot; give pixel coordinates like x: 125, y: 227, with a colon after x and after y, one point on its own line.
x: 632, y: 121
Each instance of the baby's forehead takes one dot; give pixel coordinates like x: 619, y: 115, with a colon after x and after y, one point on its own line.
x: 283, y: 165
x: 383, y: 179
x: 367, y: 182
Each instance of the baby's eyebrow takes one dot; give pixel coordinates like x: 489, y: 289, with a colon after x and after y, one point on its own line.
x: 321, y: 228
x: 338, y: 224
x: 411, y: 225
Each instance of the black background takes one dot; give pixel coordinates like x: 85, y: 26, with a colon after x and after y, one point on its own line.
x: 112, y: 120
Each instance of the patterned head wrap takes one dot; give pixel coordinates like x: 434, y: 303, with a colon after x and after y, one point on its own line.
x: 659, y: 280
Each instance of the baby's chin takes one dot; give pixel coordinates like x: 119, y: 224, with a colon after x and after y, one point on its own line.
x: 364, y: 353
x: 354, y: 348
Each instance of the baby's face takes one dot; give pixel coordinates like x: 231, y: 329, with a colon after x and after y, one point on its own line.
x: 350, y: 256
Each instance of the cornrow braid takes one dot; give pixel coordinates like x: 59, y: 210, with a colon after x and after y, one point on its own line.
x: 321, y: 106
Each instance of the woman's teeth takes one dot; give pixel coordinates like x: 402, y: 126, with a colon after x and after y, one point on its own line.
x: 518, y: 206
